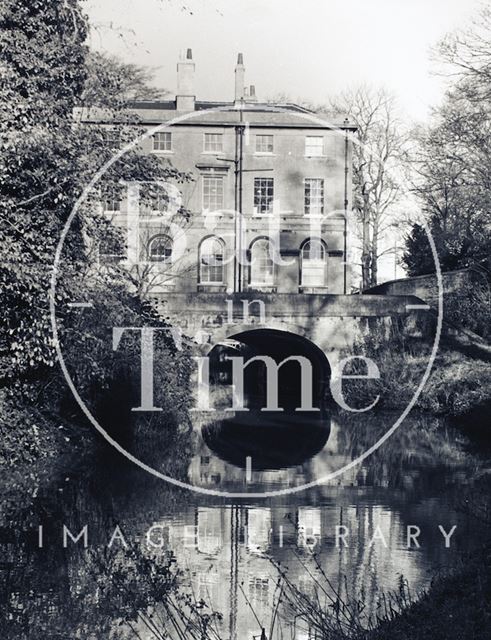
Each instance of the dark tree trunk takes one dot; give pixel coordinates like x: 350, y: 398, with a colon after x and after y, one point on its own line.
x: 365, y: 252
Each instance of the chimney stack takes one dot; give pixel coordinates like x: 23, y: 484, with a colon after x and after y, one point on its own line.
x: 239, y: 78
x: 252, y: 94
x: 185, y: 97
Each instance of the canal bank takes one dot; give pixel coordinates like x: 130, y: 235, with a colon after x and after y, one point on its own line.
x: 421, y: 478
x: 458, y: 385
x: 457, y: 607
x: 427, y: 474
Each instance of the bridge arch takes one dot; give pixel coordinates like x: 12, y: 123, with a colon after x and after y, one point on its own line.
x: 249, y: 341
x: 228, y: 331
x: 272, y: 440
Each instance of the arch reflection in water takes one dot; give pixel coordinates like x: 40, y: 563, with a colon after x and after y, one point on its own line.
x: 272, y: 440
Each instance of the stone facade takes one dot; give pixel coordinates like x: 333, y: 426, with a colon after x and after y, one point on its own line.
x: 287, y: 170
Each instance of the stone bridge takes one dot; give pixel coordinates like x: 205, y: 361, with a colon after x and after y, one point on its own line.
x: 320, y: 328
x: 330, y: 322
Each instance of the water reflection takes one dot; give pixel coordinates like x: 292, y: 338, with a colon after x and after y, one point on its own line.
x: 272, y: 440
x: 291, y: 451
x: 229, y: 550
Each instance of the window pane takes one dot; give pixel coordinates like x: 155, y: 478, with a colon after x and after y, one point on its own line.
x: 314, y: 146
x: 211, y: 261
x: 162, y: 141
x: 160, y: 249
x: 313, y: 264
x: 212, y: 193
x: 262, y: 267
x: 313, y: 250
x: 112, y: 201
x: 263, y: 195
x: 213, y: 142
x: 112, y: 249
x: 264, y: 144
x: 314, y: 196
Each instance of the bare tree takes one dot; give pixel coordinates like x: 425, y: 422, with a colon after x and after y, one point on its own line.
x: 112, y: 83
x: 467, y: 53
x: 378, y: 158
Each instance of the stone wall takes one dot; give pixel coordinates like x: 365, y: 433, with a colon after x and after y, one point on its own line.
x: 331, y: 322
x: 426, y: 286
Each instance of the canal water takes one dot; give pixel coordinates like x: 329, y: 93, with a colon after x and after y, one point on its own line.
x: 230, y: 552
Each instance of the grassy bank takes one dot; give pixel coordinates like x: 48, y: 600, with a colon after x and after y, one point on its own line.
x: 459, y: 384
x: 456, y: 607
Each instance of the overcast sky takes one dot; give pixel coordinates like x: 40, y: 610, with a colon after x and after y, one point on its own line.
x: 308, y: 49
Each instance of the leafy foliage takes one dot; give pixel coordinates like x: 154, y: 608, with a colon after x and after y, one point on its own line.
x: 48, y: 158
x: 418, y: 258
x: 471, y: 308
x: 42, y: 54
x: 453, y: 160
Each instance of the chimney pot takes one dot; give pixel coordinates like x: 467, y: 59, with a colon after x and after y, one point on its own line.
x: 252, y: 94
x: 185, y: 100
x: 239, y: 78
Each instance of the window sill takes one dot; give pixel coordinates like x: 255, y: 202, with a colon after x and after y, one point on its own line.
x: 313, y: 290
x: 213, y: 212
x: 212, y: 153
x: 265, y: 288
x: 206, y: 287
x: 318, y: 156
x: 163, y: 152
x: 268, y: 154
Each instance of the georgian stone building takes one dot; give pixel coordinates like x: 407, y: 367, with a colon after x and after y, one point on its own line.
x: 270, y: 185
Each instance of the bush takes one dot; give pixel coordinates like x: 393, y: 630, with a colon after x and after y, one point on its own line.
x: 471, y: 309
x: 456, y: 386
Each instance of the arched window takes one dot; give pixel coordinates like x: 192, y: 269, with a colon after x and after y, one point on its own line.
x: 160, y: 249
x: 262, y: 264
x: 313, y: 264
x: 211, y: 261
